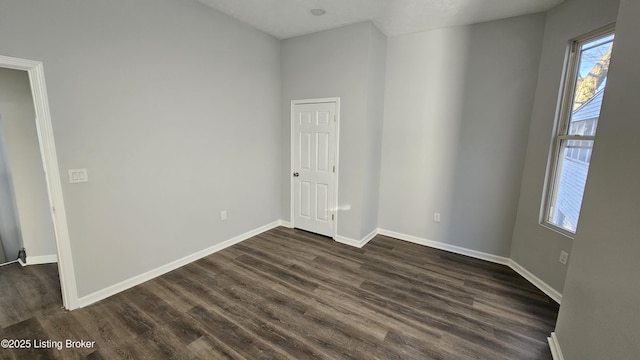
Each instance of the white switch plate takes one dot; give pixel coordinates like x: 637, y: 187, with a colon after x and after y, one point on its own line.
x: 78, y: 176
x: 436, y: 217
x: 223, y: 215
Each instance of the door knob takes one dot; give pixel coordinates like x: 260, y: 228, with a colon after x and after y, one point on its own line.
x: 296, y: 174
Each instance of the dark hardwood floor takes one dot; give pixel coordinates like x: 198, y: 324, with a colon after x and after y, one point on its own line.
x: 289, y: 294
x: 26, y: 292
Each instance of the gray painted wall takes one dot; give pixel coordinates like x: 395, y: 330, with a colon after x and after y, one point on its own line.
x: 372, y: 132
x: 457, y: 110
x: 17, y: 118
x: 172, y: 107
x: 599, y: 317
x: 347, y: 62
x: 10, y: 236
x: 535, y: 247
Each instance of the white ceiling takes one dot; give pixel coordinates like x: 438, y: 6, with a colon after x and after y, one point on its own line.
x: 288, y: 18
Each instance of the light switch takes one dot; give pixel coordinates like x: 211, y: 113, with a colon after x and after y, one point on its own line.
x: 78, y: 176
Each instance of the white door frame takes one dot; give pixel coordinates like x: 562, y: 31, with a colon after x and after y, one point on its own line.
x: 335, y: 100
x: 35, y: 69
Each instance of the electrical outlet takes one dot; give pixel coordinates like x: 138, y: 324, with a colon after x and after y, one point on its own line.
x: 78, y: 176
x: 564, y: 256
x: 436, y: 217
x: 223, y: 215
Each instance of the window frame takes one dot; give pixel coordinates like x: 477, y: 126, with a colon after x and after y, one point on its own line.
x: 563, y: 123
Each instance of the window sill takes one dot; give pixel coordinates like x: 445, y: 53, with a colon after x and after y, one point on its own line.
x: 558, y: 230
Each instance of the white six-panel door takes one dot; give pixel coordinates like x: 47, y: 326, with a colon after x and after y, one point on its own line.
x: 314, y: 161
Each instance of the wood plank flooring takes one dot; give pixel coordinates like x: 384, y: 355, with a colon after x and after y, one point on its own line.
x: 29, y: 291
x: 289, y: 294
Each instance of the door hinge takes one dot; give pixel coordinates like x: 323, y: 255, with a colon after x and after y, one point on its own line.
x: 334, y: 168
x: 334, y: 118
x: 333, y: 217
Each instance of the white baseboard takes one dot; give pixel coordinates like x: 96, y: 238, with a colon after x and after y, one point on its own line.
x: 136, y: 280
x: 139, y: 279
x: 42, y: 259
x: 356, y: 243
x: 286, y: 224
x: 543, y: 286
x: 13, y: 262
x: 447, y: 247
x: 554, y: 345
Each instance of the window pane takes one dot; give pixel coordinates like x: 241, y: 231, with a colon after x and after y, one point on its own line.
x: 586, y: 80
x: 593, y: 67
x: 570, y: 182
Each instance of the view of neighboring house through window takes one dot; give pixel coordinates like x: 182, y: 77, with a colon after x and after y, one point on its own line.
x: 579, y: 112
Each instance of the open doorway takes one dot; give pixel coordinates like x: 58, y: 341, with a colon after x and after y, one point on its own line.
x: 25, y: 217
x: 11, y: 243
x: 53, y: 190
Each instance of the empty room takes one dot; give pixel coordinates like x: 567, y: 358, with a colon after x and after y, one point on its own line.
x: 286, y: 179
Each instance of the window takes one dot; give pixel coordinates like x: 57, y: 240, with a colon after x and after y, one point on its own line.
x: 584, y: 87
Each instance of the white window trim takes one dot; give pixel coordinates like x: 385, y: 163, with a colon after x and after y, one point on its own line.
x: 562, y: 122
